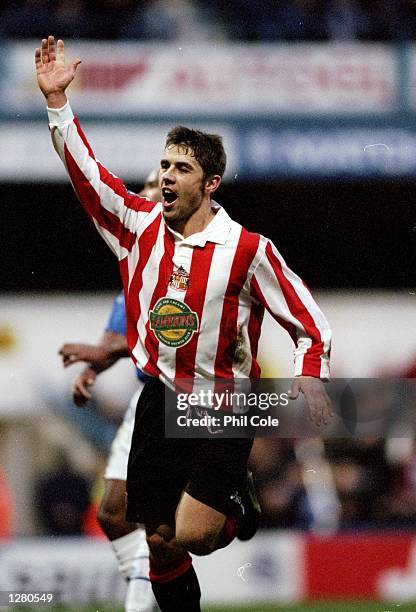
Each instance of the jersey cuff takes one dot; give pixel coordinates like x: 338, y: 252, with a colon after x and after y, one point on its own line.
x: 59, y: 117
x: 302, y: 369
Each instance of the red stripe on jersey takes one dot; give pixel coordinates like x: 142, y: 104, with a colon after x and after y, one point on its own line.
x: 195, y: 299
x: 165, y: 272
x: 92, y: 204
x: 258, y: 294
x: 228, y: 337
x: 83, y: 138
x: 146, y: 243
x: 131, y: 200
x: 312, y: 359
x: 254, y: 328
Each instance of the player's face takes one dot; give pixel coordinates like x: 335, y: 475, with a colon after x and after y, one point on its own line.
x: 182, y: 185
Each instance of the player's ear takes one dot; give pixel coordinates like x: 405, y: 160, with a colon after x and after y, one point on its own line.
x: 212, y: 183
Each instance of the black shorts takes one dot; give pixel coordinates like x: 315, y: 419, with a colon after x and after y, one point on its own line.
x: 160, y: 468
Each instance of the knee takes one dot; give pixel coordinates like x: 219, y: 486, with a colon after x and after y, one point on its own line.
x: 198, y: 543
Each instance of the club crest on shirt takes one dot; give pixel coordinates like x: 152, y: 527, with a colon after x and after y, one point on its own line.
x: 179, y: 279
x: 173, y: 322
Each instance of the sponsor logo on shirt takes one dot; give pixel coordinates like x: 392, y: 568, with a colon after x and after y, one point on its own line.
x: 173, y: 322
x: 179, y: 279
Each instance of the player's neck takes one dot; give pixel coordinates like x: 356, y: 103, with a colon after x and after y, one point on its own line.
x: 198, y: 221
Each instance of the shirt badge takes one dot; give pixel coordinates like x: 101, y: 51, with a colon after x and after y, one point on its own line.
x: 173, y: 322
x: 179, y: 279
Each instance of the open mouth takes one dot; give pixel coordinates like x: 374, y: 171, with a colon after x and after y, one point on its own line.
x: 169, y: 196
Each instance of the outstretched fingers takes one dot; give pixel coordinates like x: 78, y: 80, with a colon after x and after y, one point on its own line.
x: 49, y: 52
x: 45, y: 51
x: 38, y: 58
x: 51, y: 48
x: 60, y: 51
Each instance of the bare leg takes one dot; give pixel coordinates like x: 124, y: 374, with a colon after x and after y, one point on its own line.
x: 112, y: 510
x: 198, y: 526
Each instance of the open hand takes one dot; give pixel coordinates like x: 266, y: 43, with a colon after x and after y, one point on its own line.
x: 320, y: 407
x: 52, y: 74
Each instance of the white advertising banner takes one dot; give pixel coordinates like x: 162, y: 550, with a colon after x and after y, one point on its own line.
x: 268, y: 568
x: 129, y: 150
x: 122, y: 79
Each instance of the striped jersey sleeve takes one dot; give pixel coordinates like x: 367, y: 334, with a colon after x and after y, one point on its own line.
x: 117, y: 213
x: 291, y: 304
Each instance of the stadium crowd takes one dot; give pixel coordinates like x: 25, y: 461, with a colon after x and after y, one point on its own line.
x: 373, y: 481
x: 371, y: 485
x: 194, y: 20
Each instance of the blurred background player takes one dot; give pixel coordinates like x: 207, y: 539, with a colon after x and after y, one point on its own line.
x: 127, y: 539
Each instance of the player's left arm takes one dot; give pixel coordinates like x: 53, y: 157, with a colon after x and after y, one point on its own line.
x: 291, y: 304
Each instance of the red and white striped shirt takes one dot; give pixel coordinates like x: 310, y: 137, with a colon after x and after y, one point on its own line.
x: 194, y: 305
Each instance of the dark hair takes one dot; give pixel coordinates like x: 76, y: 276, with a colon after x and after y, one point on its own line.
x: 207, y: 149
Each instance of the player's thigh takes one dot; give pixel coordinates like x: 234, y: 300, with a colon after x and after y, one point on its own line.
x: 219, y: 470
x: 157, y: 475
x: 197, y: 521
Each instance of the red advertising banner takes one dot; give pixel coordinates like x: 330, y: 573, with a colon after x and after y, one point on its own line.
x: 363, y: 566
x: 120, y: 79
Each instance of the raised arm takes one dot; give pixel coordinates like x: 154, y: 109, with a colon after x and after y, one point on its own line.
x: 117, y: 213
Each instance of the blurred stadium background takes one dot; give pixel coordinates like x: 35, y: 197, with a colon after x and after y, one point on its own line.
x: 316, y: 100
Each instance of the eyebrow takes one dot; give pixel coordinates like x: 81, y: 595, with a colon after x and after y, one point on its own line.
x: 177, y: 163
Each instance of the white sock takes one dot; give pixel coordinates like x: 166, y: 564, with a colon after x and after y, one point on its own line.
x: 133, y: 562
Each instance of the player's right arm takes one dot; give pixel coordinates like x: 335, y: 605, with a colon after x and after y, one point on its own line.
x: 116, y: 212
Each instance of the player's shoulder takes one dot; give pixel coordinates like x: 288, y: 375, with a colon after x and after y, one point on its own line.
x: 252, y: 241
